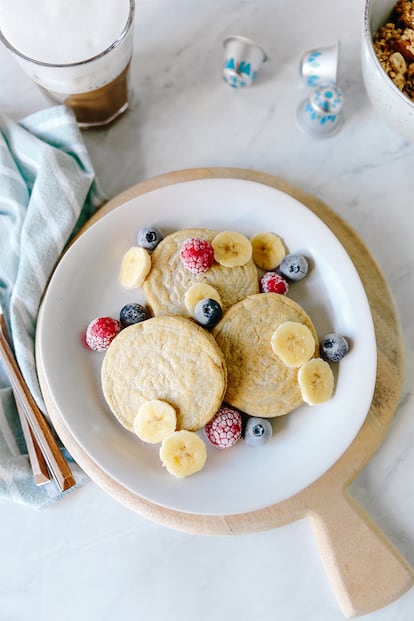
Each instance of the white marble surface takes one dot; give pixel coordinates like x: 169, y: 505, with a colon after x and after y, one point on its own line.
x: 87, y: 557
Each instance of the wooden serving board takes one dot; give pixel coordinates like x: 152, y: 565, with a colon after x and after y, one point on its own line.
x: 365, y: 569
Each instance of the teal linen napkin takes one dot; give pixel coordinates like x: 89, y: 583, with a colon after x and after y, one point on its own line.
x: 48, y: 190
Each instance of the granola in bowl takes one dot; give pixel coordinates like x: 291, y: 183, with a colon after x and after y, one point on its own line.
x: 394, y: 46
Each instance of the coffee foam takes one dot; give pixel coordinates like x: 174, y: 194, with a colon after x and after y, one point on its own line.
x: 64, y: 32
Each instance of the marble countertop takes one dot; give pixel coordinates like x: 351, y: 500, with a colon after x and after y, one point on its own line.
x: 87, y: 556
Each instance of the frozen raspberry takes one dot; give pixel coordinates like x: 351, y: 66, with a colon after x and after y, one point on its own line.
x: 224, y: 430
x: 197, y: 255
x: 271, y: 282
x: 101, y: 332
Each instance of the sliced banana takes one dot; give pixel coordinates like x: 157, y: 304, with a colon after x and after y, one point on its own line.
x: 155, y: 420
x: 316, y: 381
x: 197, y: 292
x: 183, y: 453
x: 268, y: 250
x: 293, y: 342
x: 231, y: 249
x: 135, y: 266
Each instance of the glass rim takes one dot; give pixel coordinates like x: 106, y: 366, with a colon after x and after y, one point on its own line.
x: 77, y: 63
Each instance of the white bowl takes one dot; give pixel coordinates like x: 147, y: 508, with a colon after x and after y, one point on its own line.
x: 396, y: 109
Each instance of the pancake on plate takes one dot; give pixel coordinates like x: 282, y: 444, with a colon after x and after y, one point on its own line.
x: 167, y: 358
x: 169, y: 280
x: 258, y: 382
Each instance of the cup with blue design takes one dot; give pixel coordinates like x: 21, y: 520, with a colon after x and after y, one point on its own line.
x: 320, y: 114
x: 320, y: 66
x: 242, y: 60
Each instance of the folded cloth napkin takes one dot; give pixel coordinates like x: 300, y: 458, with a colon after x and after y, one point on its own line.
x: 48, y: 190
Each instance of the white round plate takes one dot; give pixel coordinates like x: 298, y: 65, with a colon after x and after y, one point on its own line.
x: 305, y: 444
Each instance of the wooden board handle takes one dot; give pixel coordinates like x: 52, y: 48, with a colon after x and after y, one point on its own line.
x: 366, y: 571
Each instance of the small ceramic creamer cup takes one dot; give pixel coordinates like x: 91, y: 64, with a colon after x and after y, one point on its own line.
x: 242, y: 60
x: 320, y: 66
x: 320, y: 115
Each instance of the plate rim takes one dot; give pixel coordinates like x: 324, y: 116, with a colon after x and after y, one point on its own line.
x: 125, y: 196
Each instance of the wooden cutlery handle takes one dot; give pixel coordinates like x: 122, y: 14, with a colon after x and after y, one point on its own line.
x: 38, y: 424
x: 37, y: 461
x: 366, y: 571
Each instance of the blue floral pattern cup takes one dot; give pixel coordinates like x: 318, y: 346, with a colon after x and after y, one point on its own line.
x: 243, y: 59
x: 321, y: 114
x: 320, y: 66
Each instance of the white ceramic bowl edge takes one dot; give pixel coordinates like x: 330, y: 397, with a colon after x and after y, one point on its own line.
x: 395, y: 108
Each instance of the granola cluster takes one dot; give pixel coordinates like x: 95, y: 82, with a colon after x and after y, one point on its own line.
x: 394, y: 46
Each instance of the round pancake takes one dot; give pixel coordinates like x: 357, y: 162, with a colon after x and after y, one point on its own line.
x: 168, y: 280
x: 258, y: 382
x: 168, y: 358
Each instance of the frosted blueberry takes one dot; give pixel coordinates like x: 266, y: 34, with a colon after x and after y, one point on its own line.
x: 294, y: 267
x: 258, y: 431
x: 208, y: 312
x: 133, y: 313
x: 149, y: 237
x: 334, y: 347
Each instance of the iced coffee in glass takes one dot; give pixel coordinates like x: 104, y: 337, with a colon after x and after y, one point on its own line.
x: 77, y: 51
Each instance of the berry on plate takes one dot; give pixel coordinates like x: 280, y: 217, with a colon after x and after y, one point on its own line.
x: 294, y: 267
x: 258, y: 431
x: 208, y: 312
x: 197, y: 292
x: 271, y: 282
x: 101, y: 332
x: 197, y: 255
x: 133, y: 313
x: 224, y: 430
x: 334, y: 347
x: 149, y: 237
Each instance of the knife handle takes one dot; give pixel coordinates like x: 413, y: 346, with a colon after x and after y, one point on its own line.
x: 38, y: 424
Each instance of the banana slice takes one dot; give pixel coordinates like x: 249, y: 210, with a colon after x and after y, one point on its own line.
x: 197, y: 292
x: 293, y: 342
x: 183, y: 453
x: 135, y: 266
x: 316, y: 381
x: 155, y: 421
x: 231, y: 249
x: 268, y: 250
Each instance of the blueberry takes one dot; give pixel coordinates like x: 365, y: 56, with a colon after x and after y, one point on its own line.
x: 149, y: 237
x: 133, y: 313
x: 334, y: 347
x: 294, y: 267
x: 258, y: 431
x: 208, y: 312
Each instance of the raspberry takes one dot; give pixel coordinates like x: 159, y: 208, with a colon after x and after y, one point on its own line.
x: 101, y: 332
x: 224, y: 430
x: 271, y: 282
x: 197, y: 255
